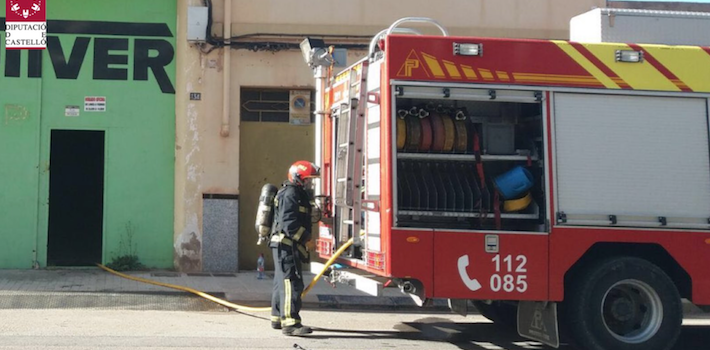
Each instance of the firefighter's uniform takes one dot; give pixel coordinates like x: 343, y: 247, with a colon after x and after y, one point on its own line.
x: 292, y: 229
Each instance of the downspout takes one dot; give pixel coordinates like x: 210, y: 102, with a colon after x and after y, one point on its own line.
x: 226, y: 93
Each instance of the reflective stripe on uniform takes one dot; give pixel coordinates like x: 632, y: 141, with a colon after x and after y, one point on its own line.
x: 303, y: 250
x: 275, y: 318
x: 302, y: 209
x: 288, y: 320
x: 281, y: 238
x: 299, y: 233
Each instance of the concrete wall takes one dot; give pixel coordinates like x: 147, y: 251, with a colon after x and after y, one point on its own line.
x: 207, y: 162
x: 542, y: 19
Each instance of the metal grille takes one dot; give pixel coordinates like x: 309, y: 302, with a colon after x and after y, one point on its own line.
x: 267, y: 105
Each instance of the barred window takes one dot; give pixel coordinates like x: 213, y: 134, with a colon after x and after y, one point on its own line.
x: 268, y: 105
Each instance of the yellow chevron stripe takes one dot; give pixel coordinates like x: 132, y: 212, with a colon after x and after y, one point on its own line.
x: 503, y: 76
x: 469, y: 72
x: 556, y: 80
x: 486, y: 74
x: 342, y: 77
x: 451, y: 69
x: 434, y: 65
x: 594, y: 85
x: 345, y: 75
x: 689, y: 63
x: 557, y: 77
x: 640, y: 76
x: 585, y: 82
x: 584, y: 62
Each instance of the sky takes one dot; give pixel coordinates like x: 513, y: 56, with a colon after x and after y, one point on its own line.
x: 700, y: 1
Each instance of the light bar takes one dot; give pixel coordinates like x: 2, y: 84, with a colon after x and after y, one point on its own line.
x: 468, y: 49
x: 629, y: 56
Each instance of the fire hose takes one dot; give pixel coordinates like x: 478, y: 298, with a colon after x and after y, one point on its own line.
x: 224, y: 302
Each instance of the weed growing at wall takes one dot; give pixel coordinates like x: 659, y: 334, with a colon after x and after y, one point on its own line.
x: 126, y: 259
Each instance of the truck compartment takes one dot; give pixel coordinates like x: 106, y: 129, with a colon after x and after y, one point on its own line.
x: 469, y: 164
x: 634, y: 161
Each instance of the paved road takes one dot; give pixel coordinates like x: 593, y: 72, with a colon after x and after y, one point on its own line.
x: 73, y: 329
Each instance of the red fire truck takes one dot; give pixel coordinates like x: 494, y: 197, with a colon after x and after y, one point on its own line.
x: 536, y: 179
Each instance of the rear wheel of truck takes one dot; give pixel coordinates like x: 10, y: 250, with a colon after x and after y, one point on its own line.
x: 623, y: 303
x: 501, y: 313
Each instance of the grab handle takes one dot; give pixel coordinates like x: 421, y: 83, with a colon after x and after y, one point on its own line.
x: 393, y: 29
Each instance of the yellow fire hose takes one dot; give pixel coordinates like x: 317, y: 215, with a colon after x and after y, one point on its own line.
x: 224, y: 302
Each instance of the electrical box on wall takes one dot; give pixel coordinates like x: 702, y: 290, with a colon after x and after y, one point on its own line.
x: 197, y: 23
x: 340, y: 57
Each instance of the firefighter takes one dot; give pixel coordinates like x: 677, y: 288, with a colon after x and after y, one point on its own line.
x: 292, y: 229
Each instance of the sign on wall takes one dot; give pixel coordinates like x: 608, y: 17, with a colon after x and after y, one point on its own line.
x: 300, y: 107
x: 94, y: 104
x: 71, y: 111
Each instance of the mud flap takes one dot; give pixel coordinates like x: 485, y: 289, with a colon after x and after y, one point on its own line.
x: 537, y: 320
x: 459, y: 306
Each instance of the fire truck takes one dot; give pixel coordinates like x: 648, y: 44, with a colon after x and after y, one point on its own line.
x: 557, y: 186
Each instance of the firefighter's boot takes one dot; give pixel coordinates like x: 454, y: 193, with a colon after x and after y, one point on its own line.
x: 276, y: 324
x: 297, y: 330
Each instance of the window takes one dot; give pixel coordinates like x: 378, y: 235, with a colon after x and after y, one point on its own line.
x: 267, y: 105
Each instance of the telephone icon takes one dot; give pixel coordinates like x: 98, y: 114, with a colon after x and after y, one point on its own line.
x: 471, y: 283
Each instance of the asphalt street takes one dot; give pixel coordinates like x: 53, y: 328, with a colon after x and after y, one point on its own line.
x: 74, y: 329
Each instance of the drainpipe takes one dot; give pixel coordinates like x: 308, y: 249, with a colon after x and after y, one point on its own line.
x: 226, y: 93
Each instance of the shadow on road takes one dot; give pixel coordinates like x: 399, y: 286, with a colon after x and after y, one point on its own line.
x: 483, y: 335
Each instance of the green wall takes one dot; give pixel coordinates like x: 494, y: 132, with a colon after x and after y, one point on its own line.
x: 124, y: 62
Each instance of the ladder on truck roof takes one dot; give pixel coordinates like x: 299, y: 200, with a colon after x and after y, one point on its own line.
x: 348, y: 143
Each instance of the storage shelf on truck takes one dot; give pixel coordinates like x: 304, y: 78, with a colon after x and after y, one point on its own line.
x: 534, y: 213
x: 450, y: 154
x: 464, y: 157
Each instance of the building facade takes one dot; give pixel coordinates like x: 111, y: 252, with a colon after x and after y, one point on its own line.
x: 124, y: 138
x: 87, y: 133
x: 265, y: 58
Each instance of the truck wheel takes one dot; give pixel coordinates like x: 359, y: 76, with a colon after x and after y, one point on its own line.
x: 623, y: 303
x: 502, y: 314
